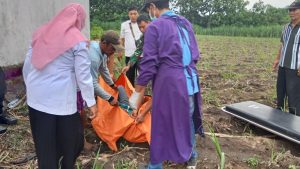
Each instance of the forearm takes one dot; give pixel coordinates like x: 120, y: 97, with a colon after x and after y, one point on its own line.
x: 147, y: 108
x: 277, y: 59
x: 131, y: 62
x: 134, y: 58
x: 99, y: 91
x: 105, y: 73
x: 123, y: 42
x: 107, y: 78
x: 140, y: 89
x: 279, y: 53
x: 137, y: 53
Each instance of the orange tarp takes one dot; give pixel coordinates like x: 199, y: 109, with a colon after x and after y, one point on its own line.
x: 112, y: 122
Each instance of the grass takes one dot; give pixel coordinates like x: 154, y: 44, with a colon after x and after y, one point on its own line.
x: 96, y: 165
x: 210, y: 97
x: 229, y: 75
x: 250, y: 31
x: 253, y: 161
x: 125, y: 164
x: 3, y: 156
x: 217, y: 145
x: 247, y: 130
x: 240, y: 65
x: 272, y: 31
x: 232, y: 69
x: 276, y: 154
x: 291, y: 166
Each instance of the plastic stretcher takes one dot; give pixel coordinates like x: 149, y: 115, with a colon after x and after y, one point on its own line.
x: 273, y: 120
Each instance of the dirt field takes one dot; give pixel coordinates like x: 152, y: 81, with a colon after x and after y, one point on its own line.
x: 232, y: 70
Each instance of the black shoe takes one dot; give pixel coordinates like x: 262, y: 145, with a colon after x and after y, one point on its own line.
x: 5, y: 119
x: 2, y: 129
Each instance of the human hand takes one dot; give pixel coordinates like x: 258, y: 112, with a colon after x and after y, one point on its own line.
x: 140, y: 118
x: 115, y: 87
x: 134, y: 113
x: 275, y: 64
x: 125, y: 69
x: 114, y: 102
x: 93, y: 111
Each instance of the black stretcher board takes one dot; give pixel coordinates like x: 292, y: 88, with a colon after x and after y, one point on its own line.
x: 273, y: 120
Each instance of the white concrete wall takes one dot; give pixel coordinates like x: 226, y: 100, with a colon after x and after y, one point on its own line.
x: 18, y: 20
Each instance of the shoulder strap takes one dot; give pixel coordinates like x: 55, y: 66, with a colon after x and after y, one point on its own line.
x: 132, y: 32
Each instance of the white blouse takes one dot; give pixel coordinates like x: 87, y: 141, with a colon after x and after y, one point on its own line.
x: 53, y: 89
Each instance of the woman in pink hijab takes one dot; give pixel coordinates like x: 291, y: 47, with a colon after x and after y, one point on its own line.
x: 56, y: 64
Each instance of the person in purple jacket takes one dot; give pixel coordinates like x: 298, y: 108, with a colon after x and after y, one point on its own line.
x: 170, y: 57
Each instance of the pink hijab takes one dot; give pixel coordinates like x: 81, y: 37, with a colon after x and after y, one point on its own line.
x: 58, y: 35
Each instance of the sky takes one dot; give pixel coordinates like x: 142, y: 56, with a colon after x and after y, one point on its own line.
x: 275, y: 3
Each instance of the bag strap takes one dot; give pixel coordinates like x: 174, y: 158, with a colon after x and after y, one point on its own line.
x: 132, y: 32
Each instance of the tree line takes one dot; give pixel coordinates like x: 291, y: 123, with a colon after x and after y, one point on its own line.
x: 205, y: 13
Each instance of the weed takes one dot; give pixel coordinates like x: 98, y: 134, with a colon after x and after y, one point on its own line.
x: 220, y: 154
x: 259, y: 31
x: 95, y: 165
x: 125, y: 164
x: 252, y: 161
x: 293, y: 167
x: 229, y: 75
x: 247, y: 130
x: 3, y: 156
x: 210, y: 97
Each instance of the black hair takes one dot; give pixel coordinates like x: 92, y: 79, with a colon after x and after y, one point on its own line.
x: 133, y: 8
x: 163, y: 4
x: 144, y: 18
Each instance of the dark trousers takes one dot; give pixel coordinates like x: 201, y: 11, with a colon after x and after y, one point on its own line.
x: 2, y: 89
x: 131, y: 73
x: 293, y: 90
x: 58, y: 139
x: 1, y: 104
x: 281, y: 88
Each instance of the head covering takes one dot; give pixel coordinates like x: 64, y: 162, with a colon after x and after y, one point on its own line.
x: 148, y: 2
x: 58, y: 35
x: 113, y: 38
x: 294, y: 5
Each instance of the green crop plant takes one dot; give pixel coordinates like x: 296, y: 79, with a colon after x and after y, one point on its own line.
x: 217, y: 145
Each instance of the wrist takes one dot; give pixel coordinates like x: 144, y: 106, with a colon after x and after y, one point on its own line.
x: 113, y: 86
x: 111, y: 99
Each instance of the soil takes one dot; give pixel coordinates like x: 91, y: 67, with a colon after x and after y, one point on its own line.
x: 232, y: 69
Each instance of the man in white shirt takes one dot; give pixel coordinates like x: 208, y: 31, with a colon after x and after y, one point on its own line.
x: 130, y: 32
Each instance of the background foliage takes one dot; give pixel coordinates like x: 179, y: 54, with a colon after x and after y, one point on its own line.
x: 210, y: 17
